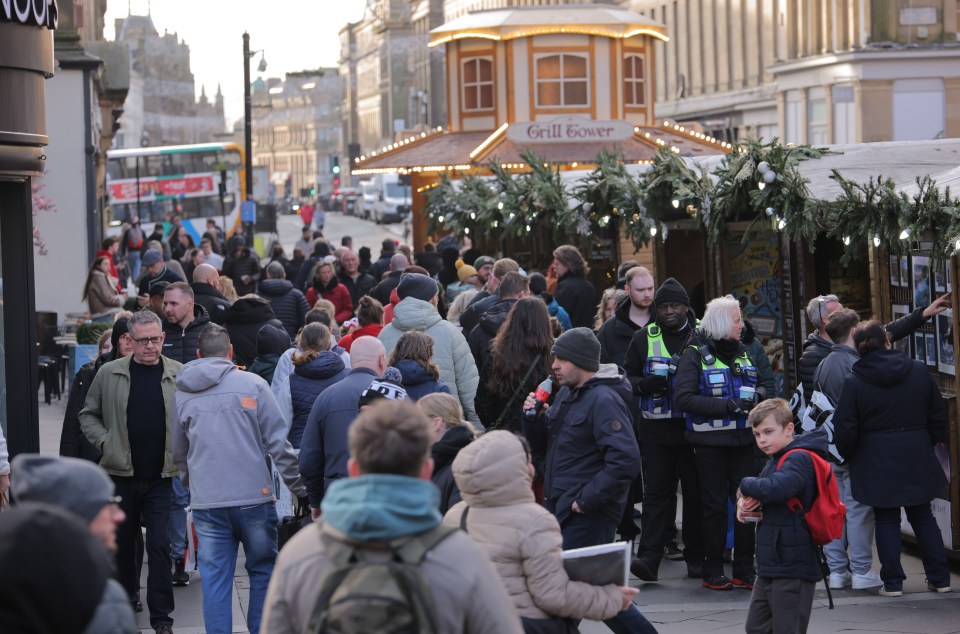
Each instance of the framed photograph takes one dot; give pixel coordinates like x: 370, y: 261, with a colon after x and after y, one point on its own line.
x: 946, y: 362
x: 904, y: 271
x: 919, y: 347
x: 940, y: 280
x: 894, y: 270
x: 931, y: 340
x: 920, y: 281
x: 901, y: 310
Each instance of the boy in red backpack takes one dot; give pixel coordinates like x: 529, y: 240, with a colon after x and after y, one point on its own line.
x: 788, y: 562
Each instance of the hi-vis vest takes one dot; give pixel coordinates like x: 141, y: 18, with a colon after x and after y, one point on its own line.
x: 659, y: 406
x: 721, y: 381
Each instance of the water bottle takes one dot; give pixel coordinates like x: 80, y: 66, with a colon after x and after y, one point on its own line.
x: 542, y: 395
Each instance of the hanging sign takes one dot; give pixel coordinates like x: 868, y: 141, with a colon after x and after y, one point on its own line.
x: 569, y: 130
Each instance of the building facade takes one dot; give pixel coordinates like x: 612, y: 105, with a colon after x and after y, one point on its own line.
x: 810, y: 71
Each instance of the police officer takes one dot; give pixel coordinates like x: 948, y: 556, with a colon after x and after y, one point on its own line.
x: 651, y: 362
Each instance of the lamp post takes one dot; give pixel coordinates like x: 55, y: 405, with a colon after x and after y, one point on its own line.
x: 247, y: 123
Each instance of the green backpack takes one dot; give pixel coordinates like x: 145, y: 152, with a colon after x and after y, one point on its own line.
x: 389, y: 597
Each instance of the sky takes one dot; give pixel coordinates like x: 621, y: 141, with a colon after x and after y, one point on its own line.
x: 295, y: 35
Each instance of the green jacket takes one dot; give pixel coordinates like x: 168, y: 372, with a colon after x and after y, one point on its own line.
x: 103, y: 418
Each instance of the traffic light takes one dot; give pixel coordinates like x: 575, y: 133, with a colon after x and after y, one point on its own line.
x: 335, y: 164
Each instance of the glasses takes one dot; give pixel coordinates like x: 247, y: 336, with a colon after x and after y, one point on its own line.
x: 145, y: 340
x: 823, y: 299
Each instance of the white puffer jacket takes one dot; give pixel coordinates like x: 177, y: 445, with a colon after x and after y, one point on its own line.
x: 521, y: 537
x: 451, y: 352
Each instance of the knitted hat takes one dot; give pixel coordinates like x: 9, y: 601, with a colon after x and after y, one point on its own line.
x: 151, y: 257
x: 580, y: 347
x: 483, y: 261
x: 380, y: 389
x: 75, y: 485
x: 272, y: 340
x: 416, y: 285
x: 120, y: 328
x: 671, y: 292
x: 465, y: 271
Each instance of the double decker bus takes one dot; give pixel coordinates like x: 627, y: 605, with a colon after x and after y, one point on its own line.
x: 196, y: 182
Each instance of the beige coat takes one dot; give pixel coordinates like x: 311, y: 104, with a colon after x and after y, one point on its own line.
x: 521, y: 537
x: 102, y: 296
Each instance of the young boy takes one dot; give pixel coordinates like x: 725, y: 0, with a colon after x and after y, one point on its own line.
x: 788, y: 566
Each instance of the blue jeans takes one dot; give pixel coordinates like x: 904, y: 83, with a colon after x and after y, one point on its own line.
x: 133, y: 264
x: 219, y: 532
x: 928, y: 539
x: 178, y: 519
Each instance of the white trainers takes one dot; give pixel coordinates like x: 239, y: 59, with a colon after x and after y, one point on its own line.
x: 839, y: 580
x: 865, y: 581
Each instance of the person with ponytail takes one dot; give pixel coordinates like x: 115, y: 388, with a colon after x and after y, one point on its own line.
x: 370, y: 317
x: 315, y: 368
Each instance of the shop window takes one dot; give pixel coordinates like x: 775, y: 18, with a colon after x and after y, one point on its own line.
x: 844, y: 114
x: 817, y: 116
x: 477, y: 84
x: 634, y: 82
x: 562, y: 81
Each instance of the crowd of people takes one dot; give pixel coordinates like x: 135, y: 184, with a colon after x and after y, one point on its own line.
x: 452, y: 412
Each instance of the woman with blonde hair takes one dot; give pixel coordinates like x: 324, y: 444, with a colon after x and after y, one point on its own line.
x: 227, y: 289
x: 413, y: 356
x: 450, y: 435
x: 459, y: 305
x: 607, y: 306
x: 315, y: 368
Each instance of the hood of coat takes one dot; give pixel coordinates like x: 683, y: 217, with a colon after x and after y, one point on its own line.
x: 272, y: 340
x: 493, y: 471
x: 202, y: 374
x: 814, y: 339
x: 447, y: 448
x: 275, y: 288
x: 491, y: 320
x: 622, y: 314
x: 614, y: 376
x: 381, y: 507
x: 816, y: 441
x: 202, y: 288
x: 250, y: 310
x: 200, y: 321
x: 414, y: 314
x: 327, y: 364
x: 394, y: 297
x: 884, y: 367
x: 413, y: 373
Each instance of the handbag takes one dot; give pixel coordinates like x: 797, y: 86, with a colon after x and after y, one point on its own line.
x: 290, y: 525
x: 513, y: 397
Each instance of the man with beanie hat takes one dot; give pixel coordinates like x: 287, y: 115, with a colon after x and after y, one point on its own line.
x: 650, y: 363
x: 381, y: 389
x: 417, y: 310
x: 591, y: 451
x: 633, y: 312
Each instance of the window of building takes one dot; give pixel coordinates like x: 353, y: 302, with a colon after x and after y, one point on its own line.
x: 844, y: 114
x: 817, y: 116
x: 562, y: 80
x: 478, y: 84
x: 919, y: 109
x: 792, y: 117
x: 634, y: 81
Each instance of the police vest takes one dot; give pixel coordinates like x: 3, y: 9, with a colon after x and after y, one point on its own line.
x: 659, y: 406
x: 720, y: 381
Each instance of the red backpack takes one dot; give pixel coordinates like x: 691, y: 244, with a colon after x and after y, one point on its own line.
x: 824, y: 519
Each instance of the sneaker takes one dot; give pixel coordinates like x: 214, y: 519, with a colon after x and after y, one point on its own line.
x: 866, y: 581
x: 932, y: 587
x: 165, y: 628
x: 890, y: 590
x: 839, y: 580
x: 181, y: 577
x: 719, y: 582
x: 746, y: 581
x: 673, y: 552
x: 643, y: 570
x: 694, y: 570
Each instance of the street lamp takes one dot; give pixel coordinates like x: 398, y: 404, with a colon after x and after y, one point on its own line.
x: 247, y: 123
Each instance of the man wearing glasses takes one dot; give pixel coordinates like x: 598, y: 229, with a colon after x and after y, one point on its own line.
x: 127, y: 415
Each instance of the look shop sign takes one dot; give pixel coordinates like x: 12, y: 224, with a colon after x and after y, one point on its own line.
x: 569, y: 130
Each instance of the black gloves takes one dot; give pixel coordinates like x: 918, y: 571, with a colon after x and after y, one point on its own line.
x: 739, y: 405
x: 653, y: 384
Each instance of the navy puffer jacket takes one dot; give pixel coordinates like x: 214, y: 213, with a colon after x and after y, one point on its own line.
x: 418, y: 382
x: 784, y: 548
x: 307, y: 382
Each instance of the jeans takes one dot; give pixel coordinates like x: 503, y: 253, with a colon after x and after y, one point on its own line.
x: 721, y: 469
x: 929, y: 541
x: 219, y: 532
x: 146, y: 500
x: 857, y: 531
x: 581, y: 530
x: 133, y: 264
x: 178, y: 519
x: 663, y: 465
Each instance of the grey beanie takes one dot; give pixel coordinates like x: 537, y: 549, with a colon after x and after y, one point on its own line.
x: 580, y: 347
x: 75, y: 485
x: 417, y: 285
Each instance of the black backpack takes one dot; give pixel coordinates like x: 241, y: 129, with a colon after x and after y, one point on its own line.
x: 389, y: 597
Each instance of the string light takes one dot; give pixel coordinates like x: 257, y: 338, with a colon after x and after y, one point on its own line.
x: 846, y: 241
x: 653, y: 232
x: 905, y: 234
x: 876, y: 240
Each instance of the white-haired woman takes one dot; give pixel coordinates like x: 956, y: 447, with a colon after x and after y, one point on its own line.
x: 714, y: 387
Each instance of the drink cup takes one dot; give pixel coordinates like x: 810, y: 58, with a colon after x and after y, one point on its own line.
x: 661, y: 369
x: 747, y: 392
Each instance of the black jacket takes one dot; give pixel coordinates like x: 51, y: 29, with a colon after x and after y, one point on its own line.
x: 481, y: 303
x: 615, y: 333
x: 358, y: 287
x: 784, y: 548
x: 212, y: 300
x: 592, y: 455
x: 443, y: 453
x: 489, y: 405
x: 431, y: 261
x: 244, y: 321
x: 666, y: 431
x: 166, y: 275
x: 181, y: 344
x: 448, y: 272
x: 381, y: 292
x: 687, y: 396
x: 579, y: 298
x: 288, y: 304
x: 236, y: 267
x: 484, y: 332
x: 382, y: 265
x: 889, y: 417
x: 72, y: 441
x: 292, y: 267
